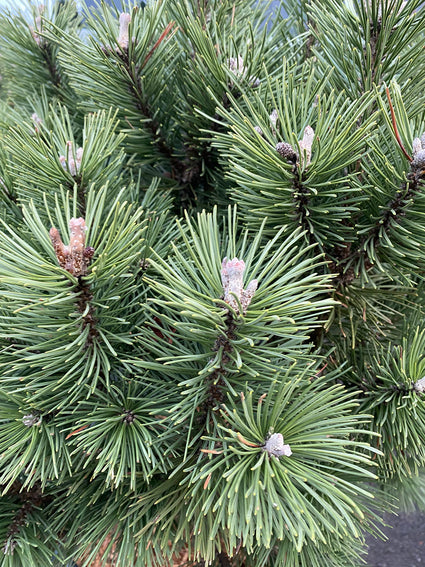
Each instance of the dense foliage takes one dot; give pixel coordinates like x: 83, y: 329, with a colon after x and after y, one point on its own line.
x: 212, y: 254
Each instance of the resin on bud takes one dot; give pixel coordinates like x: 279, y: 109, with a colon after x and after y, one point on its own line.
x: 37, y: 121
x: 305, y: 146
x: 38, y: 27
x: 232, y: 272
x: 31, y: 420
x: 273, y: 119
x: 274, y: 116
x: 123, y: 38
x: 418, y: 151
x: 275, y: 446
x: 419, y: 386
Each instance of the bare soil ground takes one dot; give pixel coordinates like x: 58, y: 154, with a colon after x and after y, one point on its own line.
x: 405, y: 546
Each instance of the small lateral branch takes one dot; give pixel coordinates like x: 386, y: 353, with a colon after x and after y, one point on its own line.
x: 75, y: 259
x: 30, y: 500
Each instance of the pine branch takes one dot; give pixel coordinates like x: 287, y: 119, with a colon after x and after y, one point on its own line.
x: 311, y: 38
x: 223, y: 343
x: 55, y: 76
x: 223, y: 560
x: 214, y: 391
x: 301, y: 193
x: 133, y: 71
x: 404, y: 201
x: 397, y: 208
x: 88, y: 311
x: 75, y: 258
x: 184, y: 161
x: 29, y: 500
x: 30, y: 53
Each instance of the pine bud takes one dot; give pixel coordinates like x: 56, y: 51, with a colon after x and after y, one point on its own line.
x: 9, y: 546
x: 274, y: 117
x: 419, y: 386
x: 88, y: 252
x: 419, y: 160
x: 31, y: 420
x: 305, y: 146
x: 38, y: 27
x: 237, y: 67
x: 248, y: 294
x: 123, y: 38
x: 128, y: 417
x: 71, y: 163
x: 36, y: 121
x: 232, y: 272
x: 286, y: 151
x: 232, y: 280
x: 74, y: 258
x: 275, y: 447
x: 418, y: 151
x: 416, y: 146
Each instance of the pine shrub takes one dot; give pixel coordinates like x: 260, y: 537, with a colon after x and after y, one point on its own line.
x: 212, y: 258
